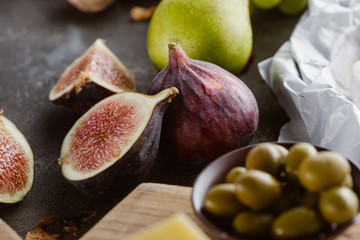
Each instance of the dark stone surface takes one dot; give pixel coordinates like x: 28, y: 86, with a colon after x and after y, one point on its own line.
x: 39, y: 39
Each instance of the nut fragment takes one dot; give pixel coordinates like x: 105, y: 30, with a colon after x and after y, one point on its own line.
x: 70, y: 225
x: 140, y: 14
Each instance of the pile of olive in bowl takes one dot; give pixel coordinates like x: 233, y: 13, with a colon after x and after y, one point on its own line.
x: 278, y: 191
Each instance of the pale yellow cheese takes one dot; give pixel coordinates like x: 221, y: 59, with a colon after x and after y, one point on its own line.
x: 177, y: 227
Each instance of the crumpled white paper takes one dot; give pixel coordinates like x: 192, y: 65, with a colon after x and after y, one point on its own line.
x: 316, y: 77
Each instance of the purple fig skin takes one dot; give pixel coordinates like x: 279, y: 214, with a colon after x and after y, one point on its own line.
x: 83, y: 100
x: 214, y: 113
x: 134, y: 166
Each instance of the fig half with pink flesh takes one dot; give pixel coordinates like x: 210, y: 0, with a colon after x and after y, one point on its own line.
x: 16, y: 163
x: 96, y: 74
x: 115, y: 142
x: 91, y: 6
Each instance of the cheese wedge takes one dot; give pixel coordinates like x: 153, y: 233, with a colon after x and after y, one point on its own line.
x: 177, y: 227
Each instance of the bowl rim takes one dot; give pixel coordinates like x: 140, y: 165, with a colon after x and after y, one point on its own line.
x: 198, y: 191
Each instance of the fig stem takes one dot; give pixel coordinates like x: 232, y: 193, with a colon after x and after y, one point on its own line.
x: 177, y: 56
x: 168, y: 94
x: 174, y: 44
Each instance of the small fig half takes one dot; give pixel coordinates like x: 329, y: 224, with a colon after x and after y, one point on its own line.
x: 215, y: 111
x: 96, y: 74
x: 16, y: 163
x: 115, y: 142
x: 91, y: 6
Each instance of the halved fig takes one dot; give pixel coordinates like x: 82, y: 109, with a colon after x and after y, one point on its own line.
x: 115, y: 142
x: 91, y: 6
x: 16, y: 163
x: 96, y: 74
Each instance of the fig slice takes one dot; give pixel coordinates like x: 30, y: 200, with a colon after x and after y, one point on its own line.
x: 16, y: 163
x: 96, y: 74
x: 116, y: 141
x: 91, y: 6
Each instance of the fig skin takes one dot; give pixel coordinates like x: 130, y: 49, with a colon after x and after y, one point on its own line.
x: 214, y: 113
x: 93, y: 76
x: 81, y: 101
x: 133, y: 166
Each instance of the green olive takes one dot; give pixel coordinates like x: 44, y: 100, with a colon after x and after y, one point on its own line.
x: 253, y: 223
x: 323, y: 170
x: 297, y: 153
x: 348, y: 181
x: 338, y: 204
x: 234, y: 173
x: 257, y: 189
x: 265, y: 157
x: 295, y: 223
x: 283, y: 152
x: 221, y: 200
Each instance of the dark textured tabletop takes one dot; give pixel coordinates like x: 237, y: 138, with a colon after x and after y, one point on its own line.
x: 39, y: 39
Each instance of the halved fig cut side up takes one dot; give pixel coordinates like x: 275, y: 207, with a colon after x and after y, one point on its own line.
x: 16, y: 163
x: 96, y: 74
x: 116, y: 141
x: 91, y: 6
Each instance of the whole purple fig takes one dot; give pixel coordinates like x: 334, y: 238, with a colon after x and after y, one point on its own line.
x: 214, y: 113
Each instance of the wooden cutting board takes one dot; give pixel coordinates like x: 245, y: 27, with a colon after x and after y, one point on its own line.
x: 151, y: 202
x: 146, y: 204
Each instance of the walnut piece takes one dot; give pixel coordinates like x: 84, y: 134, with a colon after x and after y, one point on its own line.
x: 140, y: 14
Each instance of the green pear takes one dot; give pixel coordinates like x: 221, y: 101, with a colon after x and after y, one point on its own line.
x: 215, y: 31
